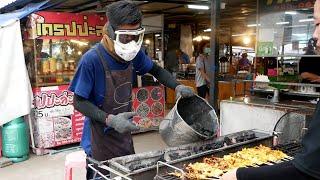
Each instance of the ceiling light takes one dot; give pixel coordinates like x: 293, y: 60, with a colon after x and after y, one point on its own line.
x: 147, y: 41
x: 246, y: 40
x: 282, y: 23
x: 306, y: 20
x: 157, y: 35
x: 234, y: 35
x: 207, y: 30
x: 253, y: 25
x: 200, y: 38
x: 202, y: 7
x: 250, y: 34
x: 291, y: 12
x: 205, y: 37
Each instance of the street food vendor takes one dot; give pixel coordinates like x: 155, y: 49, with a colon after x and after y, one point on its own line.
x: 183, y: 57
x: 103, y: 83
x: 306, y: 165
x: 309, y: 66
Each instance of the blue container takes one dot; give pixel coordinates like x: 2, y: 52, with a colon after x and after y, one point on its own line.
x: 15, y: 140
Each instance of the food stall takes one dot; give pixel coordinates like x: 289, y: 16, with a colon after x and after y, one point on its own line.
x: 284, y: 30
x: 54, y: 43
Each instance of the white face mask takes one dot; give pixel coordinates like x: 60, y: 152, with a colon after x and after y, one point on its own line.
x: 128, y: 50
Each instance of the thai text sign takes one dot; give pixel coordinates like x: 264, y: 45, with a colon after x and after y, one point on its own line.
x: 57, y: 25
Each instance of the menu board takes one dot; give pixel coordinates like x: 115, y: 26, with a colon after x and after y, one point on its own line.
x: 149, y: 103
x: 54, y: 119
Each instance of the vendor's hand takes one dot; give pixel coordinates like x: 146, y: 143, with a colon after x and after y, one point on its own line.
x: 316, y: 80
x: 121, y: 122
x: 231, y: 175
x: 183, y: 91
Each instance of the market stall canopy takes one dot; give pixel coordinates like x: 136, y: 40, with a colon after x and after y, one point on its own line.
x: 26, y: 9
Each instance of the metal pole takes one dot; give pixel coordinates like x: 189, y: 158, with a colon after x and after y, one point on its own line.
x: 214, y: 54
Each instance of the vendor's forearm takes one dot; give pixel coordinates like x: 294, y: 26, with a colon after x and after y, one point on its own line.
x: 89, y: 109
x: 163, y: 76
x: 309, y: 76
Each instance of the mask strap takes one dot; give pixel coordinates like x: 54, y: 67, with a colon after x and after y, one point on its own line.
x: 111, y: 33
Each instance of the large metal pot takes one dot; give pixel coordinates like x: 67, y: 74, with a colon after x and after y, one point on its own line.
x: 190, y: 120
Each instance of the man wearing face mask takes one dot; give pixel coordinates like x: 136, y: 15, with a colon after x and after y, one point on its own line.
x: 103, y: 82
x: 306, y: 165
x: 201, y: 78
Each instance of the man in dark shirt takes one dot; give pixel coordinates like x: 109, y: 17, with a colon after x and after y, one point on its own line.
x: 309, y: 66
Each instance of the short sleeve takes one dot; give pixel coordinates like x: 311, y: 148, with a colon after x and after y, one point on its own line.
x: 83, y: 80
x: 142, y: 63
x: 199, y: 63
x: 186, y: 58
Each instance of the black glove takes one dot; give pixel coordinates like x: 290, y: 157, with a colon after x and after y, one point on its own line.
x: 183, y: 91
x: 121, y: 122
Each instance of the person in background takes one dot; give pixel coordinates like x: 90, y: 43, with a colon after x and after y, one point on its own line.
x: 102, y: 84
x: 183, y: 57
x: 306, y: 165
x: 309, y: 67
x: 244, y: 63
x: 172, y: 63
x: 202, y: 79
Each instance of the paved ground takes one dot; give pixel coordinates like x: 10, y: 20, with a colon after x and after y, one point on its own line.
x: 51, y: 167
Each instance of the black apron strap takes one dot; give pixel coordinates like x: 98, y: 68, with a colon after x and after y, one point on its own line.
x: 105, y: 64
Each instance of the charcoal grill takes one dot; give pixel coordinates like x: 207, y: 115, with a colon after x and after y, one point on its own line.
x: 144, y: 165
x: 291, y: 149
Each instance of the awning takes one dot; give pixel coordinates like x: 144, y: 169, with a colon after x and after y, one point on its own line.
x: 8, y: 18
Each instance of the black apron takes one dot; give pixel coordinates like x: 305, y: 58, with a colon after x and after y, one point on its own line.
x: 111, y: 144
x: 309, y: 160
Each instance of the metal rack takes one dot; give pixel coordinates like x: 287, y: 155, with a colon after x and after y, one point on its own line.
x: 252, y: 89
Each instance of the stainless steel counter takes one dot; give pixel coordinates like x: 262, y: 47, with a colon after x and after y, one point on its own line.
x: 259, y: 113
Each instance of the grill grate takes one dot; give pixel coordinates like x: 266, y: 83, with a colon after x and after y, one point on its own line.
x: 290, y: 149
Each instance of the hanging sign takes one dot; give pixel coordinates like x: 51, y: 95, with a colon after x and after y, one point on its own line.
x: 58, y: 25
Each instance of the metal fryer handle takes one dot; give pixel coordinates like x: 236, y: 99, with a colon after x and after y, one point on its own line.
x: 168, y: 165
x: 101, y: 165
x: 97, y: 172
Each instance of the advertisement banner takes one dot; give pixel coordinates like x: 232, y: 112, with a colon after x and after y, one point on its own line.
x: 266, y: 6
x: 55, y: 121
x: 58, y: 25
x: 265, y: 49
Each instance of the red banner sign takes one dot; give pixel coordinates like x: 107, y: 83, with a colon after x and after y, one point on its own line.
x: 58, y: 25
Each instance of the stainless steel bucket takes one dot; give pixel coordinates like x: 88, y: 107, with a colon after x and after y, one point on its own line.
x: 190, y: 120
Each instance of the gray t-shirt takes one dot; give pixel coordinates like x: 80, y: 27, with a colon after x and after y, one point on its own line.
x: 200, y: 64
